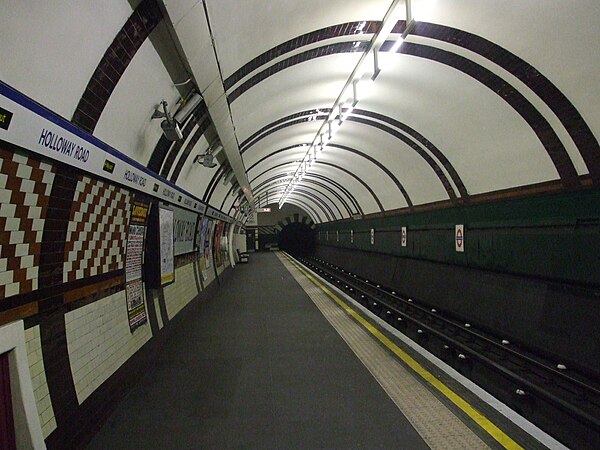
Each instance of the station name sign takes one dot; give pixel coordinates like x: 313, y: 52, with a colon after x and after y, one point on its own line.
x: 32, y: 127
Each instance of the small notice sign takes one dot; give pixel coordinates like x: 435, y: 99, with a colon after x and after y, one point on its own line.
x: 352, y: 236
x: 459, y: 238
x: 372, y: 236
x: 404, y: 237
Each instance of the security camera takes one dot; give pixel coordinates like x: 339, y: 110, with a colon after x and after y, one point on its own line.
x: 207, y: 160
x: 171, y: 130
x: 169, y: 126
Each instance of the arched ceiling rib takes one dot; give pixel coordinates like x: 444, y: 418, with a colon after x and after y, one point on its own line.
x: 267, y: 160
x: 272, y: 183
x: 347, y: 177
x: 462, y: 108
x: 349, y: 202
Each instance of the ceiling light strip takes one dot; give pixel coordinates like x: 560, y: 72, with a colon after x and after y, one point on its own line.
x: 351, y: 91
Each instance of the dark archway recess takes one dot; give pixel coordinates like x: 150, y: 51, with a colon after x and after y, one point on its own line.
x: 297, y: 239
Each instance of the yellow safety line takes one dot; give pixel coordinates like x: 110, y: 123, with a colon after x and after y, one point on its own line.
x: 479, y: 418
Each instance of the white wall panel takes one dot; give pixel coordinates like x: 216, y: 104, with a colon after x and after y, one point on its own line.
x: 39, y: 381
x: 412, y: 171
x: 553, y: 36
x: 125, y: 123
x: 308, y: 85
x: 182, y: 291
x: 53, y: 47
x: 258, y: 25
x: 489, y: 144
x: 192, y: 31
x: 99, y: 341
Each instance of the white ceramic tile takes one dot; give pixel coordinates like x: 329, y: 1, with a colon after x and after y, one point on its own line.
x: 35, y: 212
x: 24, y: 171
x: 27, y: 186
x: 6, y: 209
x: 27, y: 263
x: 6, y: 277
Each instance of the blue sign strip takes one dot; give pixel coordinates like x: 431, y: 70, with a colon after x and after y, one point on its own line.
x: 16, y: 96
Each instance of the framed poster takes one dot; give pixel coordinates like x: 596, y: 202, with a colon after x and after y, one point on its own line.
x: 217, y: 244
x: 167, y: 256
x: 134, y: 290
x: 207, y: 244
x: 136, y: 308
x: 184, y: 226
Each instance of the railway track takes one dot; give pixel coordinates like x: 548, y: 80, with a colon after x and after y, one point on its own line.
x: 563, y: 402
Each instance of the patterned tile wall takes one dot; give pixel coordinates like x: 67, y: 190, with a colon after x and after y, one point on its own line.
x: 97, y: 231
x: 25, y: 185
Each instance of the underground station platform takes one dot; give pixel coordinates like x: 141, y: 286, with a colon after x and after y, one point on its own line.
x: 282, y: 359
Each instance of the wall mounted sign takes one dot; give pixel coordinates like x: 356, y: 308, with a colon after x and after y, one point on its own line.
x: 459, y: 238
x: 372, y: 236
x: 34, y: 128
x: 167, y: 257
x: 184, y: 228
x: 5, y: 118
x: 217, y: 244
x: 404, y: 237
x: 352, y: 236
x: 207, y: 252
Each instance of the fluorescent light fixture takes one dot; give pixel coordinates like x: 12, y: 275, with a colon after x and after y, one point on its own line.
x: 328, y: 127
x: 376, y: 69
x: 397, y: 44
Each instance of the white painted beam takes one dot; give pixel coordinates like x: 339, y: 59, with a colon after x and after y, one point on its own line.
x: 193, y: 31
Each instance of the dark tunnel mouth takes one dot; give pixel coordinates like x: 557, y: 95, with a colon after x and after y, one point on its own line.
x: 297, y: 239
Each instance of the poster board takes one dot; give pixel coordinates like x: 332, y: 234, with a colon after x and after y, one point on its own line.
x: 134, y: 289
x: 167, y: 256
x: 184, y: 226
x: 217, y: 244
x: 207, y: 251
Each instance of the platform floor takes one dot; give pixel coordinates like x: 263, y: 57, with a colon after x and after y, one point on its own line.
x: 258, y: 366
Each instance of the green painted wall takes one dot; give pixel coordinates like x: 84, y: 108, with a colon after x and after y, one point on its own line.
x: 552, y: 236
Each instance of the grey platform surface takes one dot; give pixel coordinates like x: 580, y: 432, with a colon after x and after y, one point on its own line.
x: 256, y: 366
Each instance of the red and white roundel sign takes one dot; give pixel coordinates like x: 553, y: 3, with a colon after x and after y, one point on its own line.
x: 459, y: 238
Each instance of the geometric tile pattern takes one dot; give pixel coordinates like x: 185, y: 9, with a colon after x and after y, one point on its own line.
x: 97, y: 231
x: 25, y: 186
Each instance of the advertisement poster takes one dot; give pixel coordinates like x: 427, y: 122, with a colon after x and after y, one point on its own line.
x: 184, y: 226
x: 207, y: 248
x: 135, y: 247
x: 217, y: 244
x: 136, y: 309
x: 201, y: 234
x: 167, y: 257
x: 134, y: 291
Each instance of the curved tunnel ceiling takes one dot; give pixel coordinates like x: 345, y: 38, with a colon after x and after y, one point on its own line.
x: 483, y: 99
x: 463, y: 108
